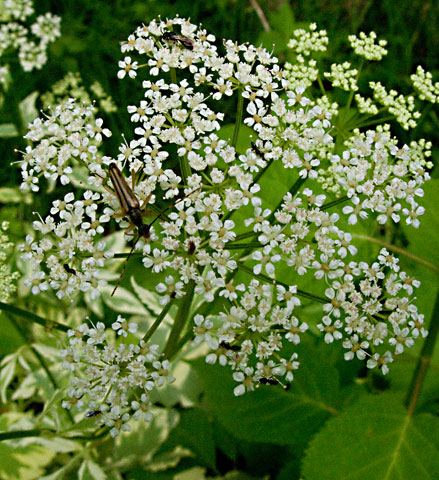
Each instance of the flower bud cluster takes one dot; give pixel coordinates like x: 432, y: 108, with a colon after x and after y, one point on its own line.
x: 403, y: 108
x: 423, y: 83
x: 365, y: 46
x: 30, y: 41
x: 305, y: 42
x: 106, y: 378
x: 71, y: 86
x: 342, y: 76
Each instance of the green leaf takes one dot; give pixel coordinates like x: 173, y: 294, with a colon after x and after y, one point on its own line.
x: 144, y: 439
x: 23, y: 462
x: 194, y: 473
x: 96, y: 305
x: 8, y: 130
x: 28, y: 110
x: 7, y: 372
x: 244, y: 136
x: 272, y: 414
x: 377, y: 440
x: 10, y: 195
x: 195, y: 433
x: 282, y: 25
x: 123, y: 301
x: 147, y: 297
x: 90, y: 470
x: 185, y: 390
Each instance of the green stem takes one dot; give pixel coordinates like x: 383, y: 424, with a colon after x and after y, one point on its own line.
x: 239, y: 246
x: 239, y: 112
x: 265, y: 278
x: 173, y: 75
x: 158, y: 321
x: 322, y: 88
x: 48, y: 324
x: 185, y: 169
x: 375, y: 122
x: 21, y: 434
x: 186, y: 337
x: 180, y: 320
x: 399, y: 250
x: 334, y: 203
x: 243, y: 236
x: 423, y: 360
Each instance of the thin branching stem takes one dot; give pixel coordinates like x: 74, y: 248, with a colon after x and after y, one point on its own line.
x: 239, y: 113
x: 180, y: 320
x: 266, y: 279
x: 158, y: 321
x: 398, y: 250
x: 32, y: 317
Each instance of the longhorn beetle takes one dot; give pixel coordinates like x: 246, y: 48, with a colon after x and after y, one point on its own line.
x: 132, y: 209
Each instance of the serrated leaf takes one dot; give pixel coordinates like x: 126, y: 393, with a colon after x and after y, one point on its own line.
x: 123, y: 301
x: 271, y: 414
x: 8, y: 130
x: 377, y: 440
x: 90, y: 470
x: 28, y: 110
x: 17, y: 462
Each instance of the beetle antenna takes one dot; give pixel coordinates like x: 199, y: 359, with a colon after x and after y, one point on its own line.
x: 125, y: 265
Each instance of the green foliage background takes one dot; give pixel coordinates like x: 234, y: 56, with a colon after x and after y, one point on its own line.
x: 335, y: 422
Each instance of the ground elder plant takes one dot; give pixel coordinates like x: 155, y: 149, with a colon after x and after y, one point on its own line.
x: 233, y: 254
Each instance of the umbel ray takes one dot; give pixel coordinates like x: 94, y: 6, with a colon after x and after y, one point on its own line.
x: 131, y: 208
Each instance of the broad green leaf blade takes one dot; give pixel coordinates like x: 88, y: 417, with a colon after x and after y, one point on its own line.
x: 195, y: 433
x: 8, y: 130
x: 377, y: 440
x: 245, y: 136
x: 145, y: 439
x: 19, y: 461
x: 282, y: 25
x: 271, y: 414
x: 28, y: 110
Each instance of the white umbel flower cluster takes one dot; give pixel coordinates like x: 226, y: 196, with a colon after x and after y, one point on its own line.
x: 225, y: 215
x: 106, y: 376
